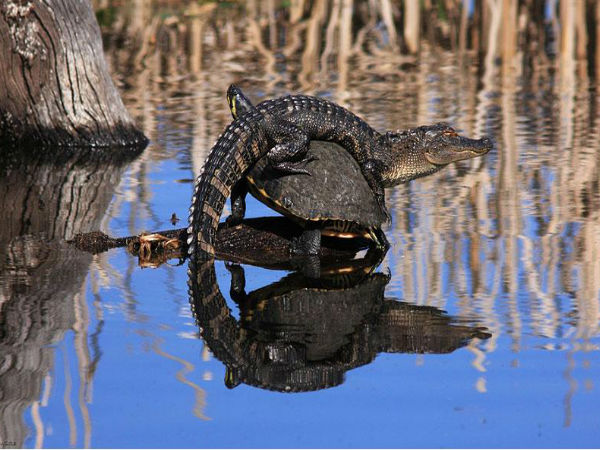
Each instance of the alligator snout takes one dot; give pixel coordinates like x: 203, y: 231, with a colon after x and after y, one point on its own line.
x: 485, y: 145
x: 447, y: 148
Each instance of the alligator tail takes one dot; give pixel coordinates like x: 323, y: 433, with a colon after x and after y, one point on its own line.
x: 241, y: 145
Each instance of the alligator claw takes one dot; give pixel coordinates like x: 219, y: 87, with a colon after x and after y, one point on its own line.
x: 388, y: 217
x: 381, y: 202
x: 292, y: 168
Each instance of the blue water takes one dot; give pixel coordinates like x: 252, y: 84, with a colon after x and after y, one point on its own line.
x: 155, y: 384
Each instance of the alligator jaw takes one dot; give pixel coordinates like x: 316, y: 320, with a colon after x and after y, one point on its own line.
x: 456, y: 148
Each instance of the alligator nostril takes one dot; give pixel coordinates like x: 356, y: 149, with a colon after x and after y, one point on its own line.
x: 487, y: 142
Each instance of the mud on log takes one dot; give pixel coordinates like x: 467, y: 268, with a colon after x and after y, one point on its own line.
x: 55, y: 89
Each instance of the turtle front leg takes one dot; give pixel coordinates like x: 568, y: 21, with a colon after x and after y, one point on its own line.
x: 238, y: 203
x: 378, y: 236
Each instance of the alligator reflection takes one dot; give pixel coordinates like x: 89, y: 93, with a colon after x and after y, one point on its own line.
x: 302, y: 334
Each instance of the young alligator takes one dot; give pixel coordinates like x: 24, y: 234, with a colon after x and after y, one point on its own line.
x: 281, y: 130
x: 336, y: 200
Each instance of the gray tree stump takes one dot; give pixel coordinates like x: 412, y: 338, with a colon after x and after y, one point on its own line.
x: 55, y: 89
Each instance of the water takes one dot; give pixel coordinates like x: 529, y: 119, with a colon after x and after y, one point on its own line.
x: 99, y: 352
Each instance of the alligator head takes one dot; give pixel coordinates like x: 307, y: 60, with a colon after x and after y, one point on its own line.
x: 424, y: 150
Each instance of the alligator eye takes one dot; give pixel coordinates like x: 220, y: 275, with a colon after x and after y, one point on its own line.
x: 450, y: 132
x: 393, y: 137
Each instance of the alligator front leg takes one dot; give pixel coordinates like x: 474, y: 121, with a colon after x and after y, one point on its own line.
x: 372, y: 171
x: 291, y: 147
x: 291, y: 143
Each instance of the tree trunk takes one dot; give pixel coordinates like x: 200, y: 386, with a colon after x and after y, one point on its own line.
x: 55, y: 89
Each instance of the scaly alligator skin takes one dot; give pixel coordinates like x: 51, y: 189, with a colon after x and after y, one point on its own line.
x: 282, y: 128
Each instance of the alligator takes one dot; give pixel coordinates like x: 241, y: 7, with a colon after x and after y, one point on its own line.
x: 281, y: 130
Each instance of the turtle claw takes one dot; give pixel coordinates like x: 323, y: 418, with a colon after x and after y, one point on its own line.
x: 382, y: 240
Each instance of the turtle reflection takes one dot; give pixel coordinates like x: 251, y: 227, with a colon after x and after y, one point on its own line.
x: 302, y: 334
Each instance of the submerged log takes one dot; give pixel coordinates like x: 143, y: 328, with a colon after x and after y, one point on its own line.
x: 261, y: 241
x: 55, y: 89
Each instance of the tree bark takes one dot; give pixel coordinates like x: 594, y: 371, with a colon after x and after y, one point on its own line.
x: 55, y: 89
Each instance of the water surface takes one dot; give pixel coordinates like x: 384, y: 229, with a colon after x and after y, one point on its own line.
x: 99, y: 352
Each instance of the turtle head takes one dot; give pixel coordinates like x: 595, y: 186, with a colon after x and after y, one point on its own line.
x: 424, y: 150
x: 238, y: 103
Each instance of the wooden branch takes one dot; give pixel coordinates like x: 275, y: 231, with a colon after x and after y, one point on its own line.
x: 264, y: 241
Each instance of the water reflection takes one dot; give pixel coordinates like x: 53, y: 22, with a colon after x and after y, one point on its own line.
x: 511, y: 239
x: 46, y: 198
x: 303, y: 334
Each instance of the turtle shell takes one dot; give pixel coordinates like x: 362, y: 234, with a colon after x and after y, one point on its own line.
x: 335, y: 190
